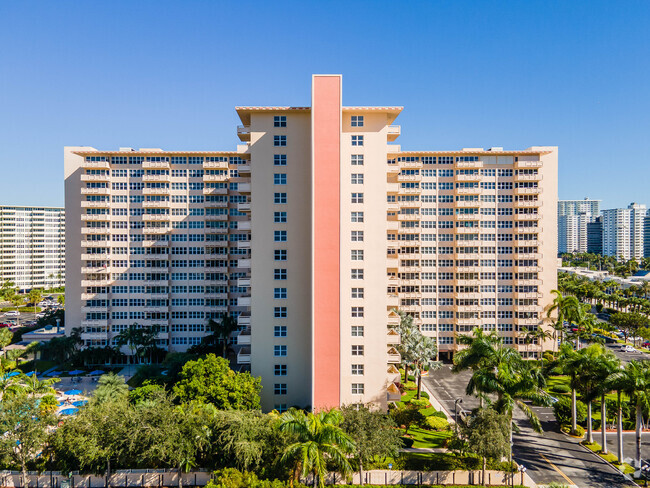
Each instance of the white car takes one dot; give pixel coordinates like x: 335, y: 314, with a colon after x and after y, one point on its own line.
x: 12, y: 313
x: 628, y: 348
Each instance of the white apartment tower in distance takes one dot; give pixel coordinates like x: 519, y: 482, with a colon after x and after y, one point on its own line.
x: 624, y: 231
x: 572, y: 219
x: 32, y: 246
x: 312, y: 233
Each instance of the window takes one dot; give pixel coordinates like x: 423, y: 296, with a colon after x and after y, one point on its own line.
x: 279, y: 121
x: 279, y: 198
x: 357, y: 350
x: 279, y: 293
x: 356, y: 178
x: 357, y: 292
x: 280, y: 312
x: 357, y: 198
x: 280, y: 389
x: 356, y: 141
x: 357, y: 121
x: 357, y: 388
x: 280, y: 217
x: 280, y: 179
x: 280, y: 331
x: 280, y: 370
x: 279, y: 159
x: 356, y: 160
x: 280, y: 141
x: 357, y: 331
x: 356, y: 274
x: 280, y: 255
x: 356, y: 217
x: 357, y: 369
x: 356, y: 236
x: 280, y: 235
x: 279, y: 351
x: 357, y: 312
x: 279, y: 274
x: 356, y: 254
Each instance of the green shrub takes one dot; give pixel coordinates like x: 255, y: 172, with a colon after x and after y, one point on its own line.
x: 579, y: 432
x: 562, y: 411
x: 561, y: 388
x: 233, y: 478
x: 439, y: 415
x: 437, y: 424
x: 424, y: 394
x: 422, y: 403
x: 599, y: 307
x: 411, y: 377
x: 410, y: 385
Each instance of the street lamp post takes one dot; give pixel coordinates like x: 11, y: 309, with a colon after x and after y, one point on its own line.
x: 456, y: 402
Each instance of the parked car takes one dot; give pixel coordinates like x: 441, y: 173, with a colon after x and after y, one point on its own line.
x: 4, y: 325
x: 628, y: 348
x: 12, y: 313
x: 645, y: 344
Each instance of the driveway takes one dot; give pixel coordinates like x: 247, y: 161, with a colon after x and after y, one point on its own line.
x: 548, y: 457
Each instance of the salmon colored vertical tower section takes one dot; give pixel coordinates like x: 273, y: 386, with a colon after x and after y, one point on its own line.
x: 326, y: 155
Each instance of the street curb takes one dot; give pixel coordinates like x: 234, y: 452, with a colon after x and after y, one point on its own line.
x: 626, y: 476
x: 438, y: 405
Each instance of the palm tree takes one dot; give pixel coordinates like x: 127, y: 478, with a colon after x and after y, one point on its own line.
x: 220, y: 331
x: 35, y: 296
x: 33, y: 386
x: 590, y: 375
x: 565, y: 307
x: 607, y: 364
x: 110, y: 387
x: 569, y: 360
x: 513, y: 381
x: 424, y: 355
x: 634, y: 380
x: 5, y: 339
x: 131, y: 337
x: 319, y: 439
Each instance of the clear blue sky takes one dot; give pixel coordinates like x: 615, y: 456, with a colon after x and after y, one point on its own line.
x: 575, y: 74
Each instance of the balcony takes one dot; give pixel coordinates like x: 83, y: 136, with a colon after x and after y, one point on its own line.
x: 244, y: 133
x: 161, y: 178
x: 531, y: 295
x: 96, y: 164
x: 392, y: 187
x: 244, y: 207
x: 410, y: 191
x: 410, y: 164
x: 527, y: 191
x: 244, y: 188
x: 392, y: 337
x: 471, y: 322
x: 243, y: 225
x: 95, y: 230
x: 94, y: 335
x: 402, y: 177
x: 474, y: 177
x: 528, y: 164
x: 393, y: 132
x: 469, y: 164
x: 157, y: 204
x: 155, y: 217
x: 215, y: 178
x: 463, y: 216
x: 394, y: 356
x: 215, y: 191
x: 536, y: 216
x: 536, y: 177
x: 215, y: 164
x: 244, y: 320
x: 244, y: 337
x: 95, y: 191
x: 468, y: 191
x: 393, y: 320
x: 95, y: 243
x: 460, y: 282
x: 95, y: 323
x: 244, y: 355
x: 155, y: 191
x: 105, y: 204
x: 528, y: 230
x: 244, y: 301
x: 95, y: 269
x: 392, y: 301
x: 161, y: 309
x: 102, y: 282
x: 467, y: 230
x: 155, y: 165
x: 466, y: 204
x: 244, y: 282
x: 104, y: 177
x: 244, y: 169
x: 243, y: 245
x: 217, y: 218
x: 244, y: 263
x: 392, y: 393
x: 526, y: 203
x: 155, y: 230
x: 95, y: 217
x: 392, y: 225
x: 95, y: 296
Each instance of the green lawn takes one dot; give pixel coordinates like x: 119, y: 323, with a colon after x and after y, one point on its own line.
x: 423, y: 438
x: 39, y: 365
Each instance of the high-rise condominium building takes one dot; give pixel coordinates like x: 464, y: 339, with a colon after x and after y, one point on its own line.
x: 624, y: 231
x: 312, y: 233
x: 595, y: 236
x: 573, y: 217
x: 32, y: 246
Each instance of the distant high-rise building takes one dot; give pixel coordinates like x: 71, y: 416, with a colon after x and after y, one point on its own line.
x: 32, y: 246
x: 646, y: 236
x: 312, y: 234
x: 573, y: 217
x: 595, y: 236
x: 624, y: 231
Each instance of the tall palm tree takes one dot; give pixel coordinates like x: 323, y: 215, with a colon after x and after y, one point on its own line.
x: 5, y: 339
x: 607, y: 365
x: 130, y: 337
x: 424, y: 355
x: 589, y: 365
x: 564, y: 308
x: 634, y: 380
x: 220, y: 331
x: 319, y: 439
x: 33, y: 386
x: 569, y: 360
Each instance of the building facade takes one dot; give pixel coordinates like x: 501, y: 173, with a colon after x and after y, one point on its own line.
x: 573, y: 218
x: 595, y: 236
x: 32, y: 246
x: 624, y: 231
x: 312, y: 233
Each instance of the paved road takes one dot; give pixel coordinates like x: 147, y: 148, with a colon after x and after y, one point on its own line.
x: 549, y: 457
